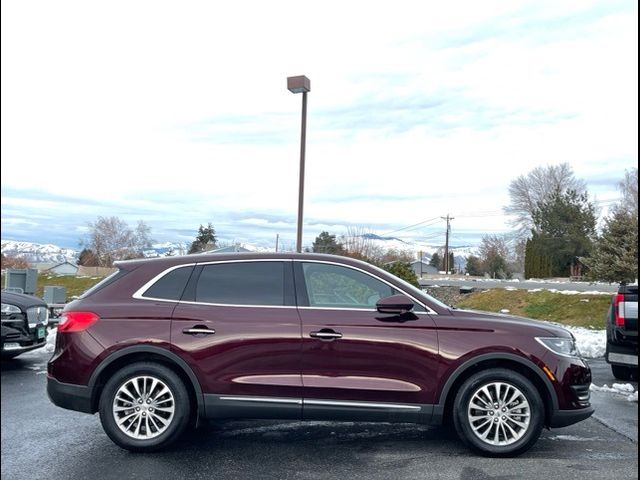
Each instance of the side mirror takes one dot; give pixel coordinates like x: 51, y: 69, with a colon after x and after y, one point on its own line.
x: 395, y: 304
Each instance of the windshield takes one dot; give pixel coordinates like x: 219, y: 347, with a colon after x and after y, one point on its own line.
x: 415, y: 291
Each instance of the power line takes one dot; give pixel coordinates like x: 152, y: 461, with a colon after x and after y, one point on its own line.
x: 414, y: 225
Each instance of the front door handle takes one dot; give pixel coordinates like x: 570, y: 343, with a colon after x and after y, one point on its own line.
x: 198, y: 330
x: 326, y: 334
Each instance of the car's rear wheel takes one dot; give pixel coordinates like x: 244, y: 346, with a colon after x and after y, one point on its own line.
x: 498, y: 412
x: 621, y: 372
x: 144, y: 407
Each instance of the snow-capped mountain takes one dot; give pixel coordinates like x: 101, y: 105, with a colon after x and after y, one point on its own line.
x: 427, y: 249
x: 38, y: 253
x: 166, y: 249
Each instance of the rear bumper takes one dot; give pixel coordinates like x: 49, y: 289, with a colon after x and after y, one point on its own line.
x: 564, y: 418
x: 622, y: 354
x: 71, y: 397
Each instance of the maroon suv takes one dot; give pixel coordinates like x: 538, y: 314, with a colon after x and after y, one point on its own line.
x: 166, y: 342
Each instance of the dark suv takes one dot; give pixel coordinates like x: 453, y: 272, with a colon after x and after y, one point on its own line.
x: 170, y: 341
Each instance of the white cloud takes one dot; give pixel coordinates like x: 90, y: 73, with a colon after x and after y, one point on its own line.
x: 180, y: 115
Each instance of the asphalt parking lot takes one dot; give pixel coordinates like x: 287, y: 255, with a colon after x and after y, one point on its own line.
x: 40, y: 440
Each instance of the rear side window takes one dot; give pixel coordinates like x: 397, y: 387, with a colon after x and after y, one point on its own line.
x: 171, y: 285
x: 103, y: 283
x: 242, y: 283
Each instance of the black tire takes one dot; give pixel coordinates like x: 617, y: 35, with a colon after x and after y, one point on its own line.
x: 621, y: 372
x: 177, y: 424
x: 462, y: 422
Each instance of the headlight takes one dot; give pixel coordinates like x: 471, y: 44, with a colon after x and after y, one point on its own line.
x: 36, y: 315
x: 9, y: 309
x: 560, y: 345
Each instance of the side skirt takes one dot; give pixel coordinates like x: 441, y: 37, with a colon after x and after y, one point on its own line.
x: 234, y: 406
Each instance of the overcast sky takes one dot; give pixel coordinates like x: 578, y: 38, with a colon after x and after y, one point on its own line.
x: 177, y: 113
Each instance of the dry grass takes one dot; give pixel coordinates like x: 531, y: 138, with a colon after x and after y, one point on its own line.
x: 578, y: 310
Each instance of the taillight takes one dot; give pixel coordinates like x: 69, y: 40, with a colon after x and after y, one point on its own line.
x: 618, y: 306
x: 76, y: 321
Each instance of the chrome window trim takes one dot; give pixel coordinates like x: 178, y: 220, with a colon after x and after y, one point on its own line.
x: 139, y: 294
x: 429, y: 311
x: 233, y: 305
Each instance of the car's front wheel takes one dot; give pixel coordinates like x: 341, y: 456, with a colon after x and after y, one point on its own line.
x: 498, y: 412
x: 144, y: 407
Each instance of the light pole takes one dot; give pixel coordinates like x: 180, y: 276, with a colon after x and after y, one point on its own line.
x: 301, y: 84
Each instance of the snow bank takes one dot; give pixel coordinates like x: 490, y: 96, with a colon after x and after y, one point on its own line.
x: 51, y: 341
x: 571, y: 292
x: 591, y: 343
x: 625, y: 389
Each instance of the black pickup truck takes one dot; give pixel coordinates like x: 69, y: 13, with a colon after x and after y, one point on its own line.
x: 622, y: 333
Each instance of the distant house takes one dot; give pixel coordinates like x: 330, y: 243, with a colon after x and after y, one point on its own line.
x: 42, y: 266
x: 422, y: 268
x: 229, y: 249
x: 64, y: 268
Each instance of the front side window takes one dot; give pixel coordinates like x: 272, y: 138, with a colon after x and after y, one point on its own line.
x: 341, y: 287
x: 242, y: 283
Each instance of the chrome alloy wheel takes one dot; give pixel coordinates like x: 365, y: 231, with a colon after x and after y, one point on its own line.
x: 143, y: 407
x: 499, y: 414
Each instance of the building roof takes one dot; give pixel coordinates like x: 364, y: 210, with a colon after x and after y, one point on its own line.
x: 66, y: 262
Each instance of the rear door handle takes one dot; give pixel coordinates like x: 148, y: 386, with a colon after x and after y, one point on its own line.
x: 326, y: 334
x: 197, y: 330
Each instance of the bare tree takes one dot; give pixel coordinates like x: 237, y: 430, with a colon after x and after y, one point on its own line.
x: 111, y: 239
x: 629, y: 188
x: 357, y: 243
x: 12, y: 261
x: 142, y: 236
x: 527, y: 191
x: 494, y: 252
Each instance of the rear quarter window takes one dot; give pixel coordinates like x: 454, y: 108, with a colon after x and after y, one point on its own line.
x: 171, y: 285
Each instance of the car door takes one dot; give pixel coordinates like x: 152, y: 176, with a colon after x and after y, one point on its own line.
x: 356, y: 362
x: 238, y: 328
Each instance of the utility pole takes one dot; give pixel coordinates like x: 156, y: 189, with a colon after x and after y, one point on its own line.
x: 446, y: 244
x: 420, y: 263
x: 277, y: 238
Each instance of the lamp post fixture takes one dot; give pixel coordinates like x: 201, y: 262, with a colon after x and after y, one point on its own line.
x: 300, y: 84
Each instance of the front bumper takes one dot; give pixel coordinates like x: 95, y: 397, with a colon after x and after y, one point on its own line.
x: 71, y: 397
x: 564, y: 418
x: 23, y: 346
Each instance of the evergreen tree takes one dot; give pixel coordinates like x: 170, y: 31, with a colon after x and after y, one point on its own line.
x: 474, y: 266
x: 565, y: 225
x: 206, y: 238
x: 615, y: 255
x: 436, y: 261
x: 326, y: 243
x: 88, y: 259
x: 404, y: 271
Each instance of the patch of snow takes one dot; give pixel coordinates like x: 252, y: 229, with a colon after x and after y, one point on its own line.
x: 591, y: 343
x: 625, y: 389
x: 511, y: 289
x: 572, y: 438
x: 51, y: 341
x: 504, y: 310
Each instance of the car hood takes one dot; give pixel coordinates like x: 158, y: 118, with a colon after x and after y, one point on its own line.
x: 504, y: 321
x: 22, y: 301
